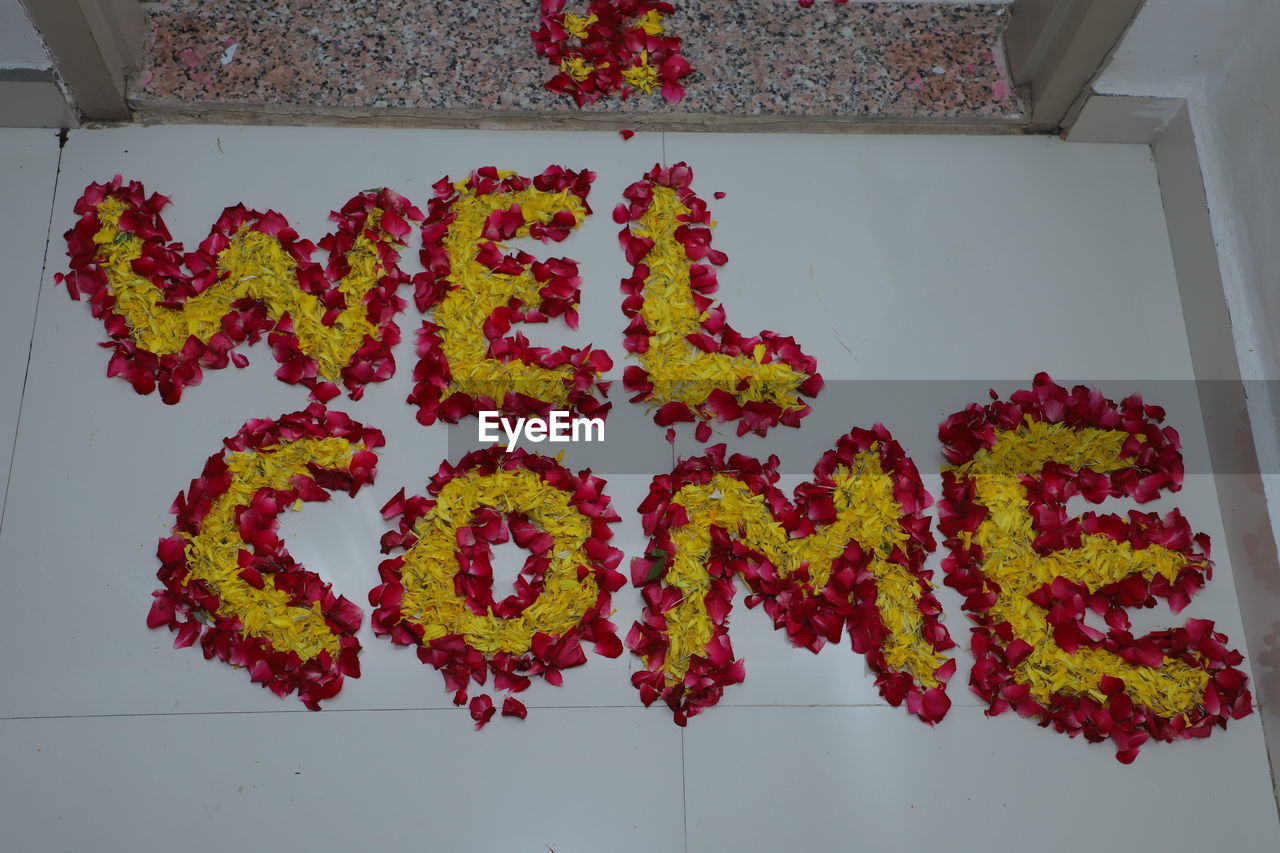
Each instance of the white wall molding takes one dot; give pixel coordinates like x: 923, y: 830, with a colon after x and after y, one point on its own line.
x: 1217, y: 161
x: 31, y: 93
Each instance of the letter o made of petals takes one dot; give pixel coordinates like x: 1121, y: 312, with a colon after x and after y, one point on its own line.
x: 438, y: 597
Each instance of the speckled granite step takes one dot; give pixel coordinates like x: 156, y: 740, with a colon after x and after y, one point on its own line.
x: 757, y: 63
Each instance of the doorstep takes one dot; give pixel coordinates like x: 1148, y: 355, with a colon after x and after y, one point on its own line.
x: 758, y: 64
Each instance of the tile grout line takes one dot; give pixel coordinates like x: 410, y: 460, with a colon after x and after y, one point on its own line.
x: 405, y: 709
x: 684, y: 793
x: 35, y: 317
x: 675, y: 457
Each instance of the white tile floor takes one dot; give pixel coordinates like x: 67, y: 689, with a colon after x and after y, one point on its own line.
x: 111, y: 739
x: 30, y: 167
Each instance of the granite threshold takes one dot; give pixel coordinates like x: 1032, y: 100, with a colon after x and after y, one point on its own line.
x: 155, y: 112
x: 759, y: 65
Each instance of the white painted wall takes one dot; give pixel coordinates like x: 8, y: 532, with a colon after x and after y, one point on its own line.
x: 1174, y: 44
x: 1243, y: 111
x: 1221, y: 58
x: 20, y: 44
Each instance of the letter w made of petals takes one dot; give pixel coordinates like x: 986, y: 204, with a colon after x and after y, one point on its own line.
x: 172, y: 313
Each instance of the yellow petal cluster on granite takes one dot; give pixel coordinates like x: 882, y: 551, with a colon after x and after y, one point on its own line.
x: 642, y: 76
